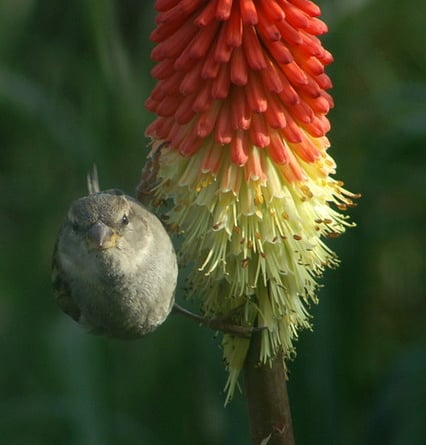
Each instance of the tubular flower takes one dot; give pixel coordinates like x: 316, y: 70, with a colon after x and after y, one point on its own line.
x: 241, y: 108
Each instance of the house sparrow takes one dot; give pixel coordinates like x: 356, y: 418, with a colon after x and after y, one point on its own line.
x: 114, y: 265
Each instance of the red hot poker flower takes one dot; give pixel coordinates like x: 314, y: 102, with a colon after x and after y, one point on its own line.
x: 241, y: 104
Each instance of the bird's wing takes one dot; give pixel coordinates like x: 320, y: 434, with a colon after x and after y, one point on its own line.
x: 62, y: 291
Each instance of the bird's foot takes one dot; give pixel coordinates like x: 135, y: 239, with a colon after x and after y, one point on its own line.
x: 219, y: 323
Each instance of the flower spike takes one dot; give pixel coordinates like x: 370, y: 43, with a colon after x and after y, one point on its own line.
x: 240, y: 138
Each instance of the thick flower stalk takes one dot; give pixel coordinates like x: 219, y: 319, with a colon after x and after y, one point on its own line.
x: 240, y: 143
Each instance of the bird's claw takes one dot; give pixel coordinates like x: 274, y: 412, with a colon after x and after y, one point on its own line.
x: 219, y: 323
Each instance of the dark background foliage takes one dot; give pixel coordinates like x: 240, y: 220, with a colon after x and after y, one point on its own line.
x: 73, y: 80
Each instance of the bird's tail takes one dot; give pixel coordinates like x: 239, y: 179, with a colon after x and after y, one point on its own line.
x: 93, y: 181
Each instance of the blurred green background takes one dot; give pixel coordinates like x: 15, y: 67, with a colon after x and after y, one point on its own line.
x: 73, y: 80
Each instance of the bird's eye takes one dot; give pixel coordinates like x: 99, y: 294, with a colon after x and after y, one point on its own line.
x: 125, y: 220
x: 74, y: 226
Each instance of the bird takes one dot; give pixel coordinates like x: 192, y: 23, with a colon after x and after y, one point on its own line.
x: 114, y: 267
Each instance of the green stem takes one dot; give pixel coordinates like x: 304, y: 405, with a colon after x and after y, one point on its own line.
x: 267, y: 398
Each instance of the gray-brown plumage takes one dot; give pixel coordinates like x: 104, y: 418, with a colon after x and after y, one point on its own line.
x: 114, y: 266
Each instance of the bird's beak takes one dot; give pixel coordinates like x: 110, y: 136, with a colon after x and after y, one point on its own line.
x: 101, y: 236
